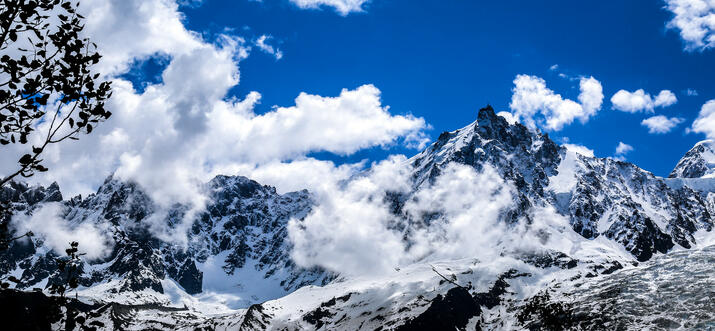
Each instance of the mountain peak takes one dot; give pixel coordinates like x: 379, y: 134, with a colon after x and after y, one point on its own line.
x: 698, y: 162
x: 486, y: 113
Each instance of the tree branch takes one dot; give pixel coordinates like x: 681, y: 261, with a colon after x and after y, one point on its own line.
x: 446, y: 279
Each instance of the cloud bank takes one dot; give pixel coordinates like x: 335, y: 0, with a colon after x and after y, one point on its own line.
x: 353, y: 231
x: 185, y: 128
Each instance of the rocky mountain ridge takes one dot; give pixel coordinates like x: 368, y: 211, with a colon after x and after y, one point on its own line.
x: 600, y: 196
x: 239, y: 246
x: 243, y: 226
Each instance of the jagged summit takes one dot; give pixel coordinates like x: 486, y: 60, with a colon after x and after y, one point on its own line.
x: 599, y: 196
x: 21, y: 193
x: 492, y: 139
x: 698, y: 162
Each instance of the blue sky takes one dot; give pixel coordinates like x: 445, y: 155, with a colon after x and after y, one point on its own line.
x: 443, y: 60
x: 296, y: 93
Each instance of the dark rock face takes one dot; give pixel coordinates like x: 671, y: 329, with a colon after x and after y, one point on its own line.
x: 256, y: 318
x: 190, y: 277
x: 454, y: 310
x: 316, y: 317
x: 449, y: 312
x: 28, y: 310
x: 141, y: 267
x: 649, y: 238
x: 15, y: 253
x: 549, y: 259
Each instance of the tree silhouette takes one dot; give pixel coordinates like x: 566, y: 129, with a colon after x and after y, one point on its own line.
x: 46, y: 83
x: 46, y: 78
x: 69, y: 268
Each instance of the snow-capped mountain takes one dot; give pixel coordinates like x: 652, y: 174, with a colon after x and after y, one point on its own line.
x: 238, y: 244
x: 698, y: 162
x: 616, y: 216
x: 599, y: 196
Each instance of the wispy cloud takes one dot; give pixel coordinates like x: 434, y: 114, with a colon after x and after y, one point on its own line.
x: 621, y: 150
x: 580, y: 149
x: 262, y: 44
x: 342, y: 7
x: 57, y: 232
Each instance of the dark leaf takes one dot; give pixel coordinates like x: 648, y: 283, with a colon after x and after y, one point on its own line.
x: 26, y: 159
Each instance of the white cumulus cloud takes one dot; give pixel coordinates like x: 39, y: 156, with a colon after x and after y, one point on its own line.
x: 665, y: 98
x: 184, y: 129
x: 125, y: 30
x: 531, y: 97
x: 639, y: 101
x: 661, y: 124
x: 705, y: 122
x: 695, y: 19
